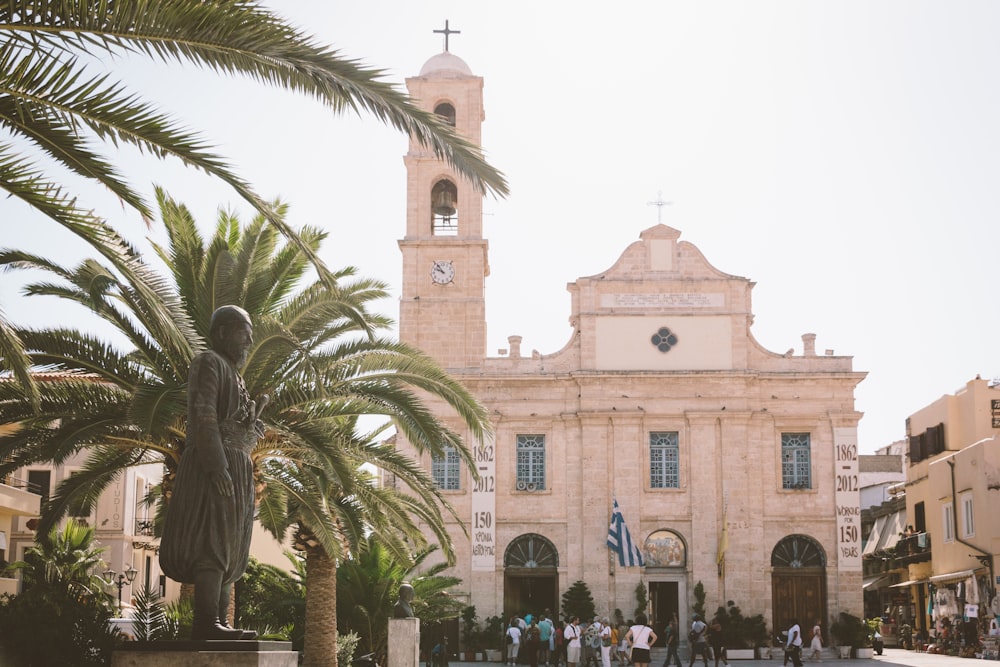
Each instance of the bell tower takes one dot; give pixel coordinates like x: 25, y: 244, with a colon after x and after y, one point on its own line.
x: 442, y: 308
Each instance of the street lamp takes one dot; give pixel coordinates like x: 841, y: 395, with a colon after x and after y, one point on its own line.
x: 119, y: 580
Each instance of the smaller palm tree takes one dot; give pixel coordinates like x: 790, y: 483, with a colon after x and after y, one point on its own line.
x: 62, y: 615
x: 65, y: 564
x: 367, y: 586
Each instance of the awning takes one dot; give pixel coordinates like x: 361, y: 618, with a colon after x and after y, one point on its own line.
x: 893, y: 527
x: 873, y: 537
x: 952, y: 576
x: 911, y: 582
x: 868, y: 582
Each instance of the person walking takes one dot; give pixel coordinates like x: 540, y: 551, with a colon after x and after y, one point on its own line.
x: 715, y: 641
x: 816, y: 644
x: 640, y: 636
x: 699, y: 643
x: 622, y: 643
x: 672, y: 641
x: 794, y: 643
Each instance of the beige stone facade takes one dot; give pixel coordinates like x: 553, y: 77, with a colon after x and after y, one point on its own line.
x: 661, y: 399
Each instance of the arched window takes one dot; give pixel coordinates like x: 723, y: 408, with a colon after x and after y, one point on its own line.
x: 798, y: 551
x: 664, y: 548
x: 531, y: 550
x: 446, y: 111
x: 444, y: 208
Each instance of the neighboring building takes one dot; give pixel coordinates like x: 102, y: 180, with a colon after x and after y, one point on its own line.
x: 883, y: 525
x: 952, y: 496
x: 122, y: 522
x: 15, y: 501
x: 734, y: 466
x: 880, y: 473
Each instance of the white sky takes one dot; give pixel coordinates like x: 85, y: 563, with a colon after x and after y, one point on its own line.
x: 845, y: 156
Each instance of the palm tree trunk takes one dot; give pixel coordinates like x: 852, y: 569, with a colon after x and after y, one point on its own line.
x: 320, y: 646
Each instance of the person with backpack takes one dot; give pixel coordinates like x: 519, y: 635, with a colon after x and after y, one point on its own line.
x: 641, y: 637
x: 699, y: 643
x: 672, y: 641
x: 793, y: 647
x: 715, y: 640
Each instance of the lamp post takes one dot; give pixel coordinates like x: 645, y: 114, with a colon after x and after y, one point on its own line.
x: 119, y: 580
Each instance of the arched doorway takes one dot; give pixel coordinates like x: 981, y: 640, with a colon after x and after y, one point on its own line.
x: 798, y: 582
x: 665, y: 555
x: 530, y: 576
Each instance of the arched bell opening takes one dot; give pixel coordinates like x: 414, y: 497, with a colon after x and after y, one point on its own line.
x: 447, y: 112
x: 444, y: 208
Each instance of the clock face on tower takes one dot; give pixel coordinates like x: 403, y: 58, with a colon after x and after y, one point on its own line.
x: 442, y: 272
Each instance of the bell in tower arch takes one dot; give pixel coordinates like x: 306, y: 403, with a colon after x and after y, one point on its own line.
x: 444, y: 208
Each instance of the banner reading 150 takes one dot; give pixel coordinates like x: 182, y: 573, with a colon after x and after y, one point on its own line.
x: 484, y: 509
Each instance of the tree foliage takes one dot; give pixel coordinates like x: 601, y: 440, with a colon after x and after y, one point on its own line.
x: 578, y: 601
x: 62, y: 615
x: 61, y: 102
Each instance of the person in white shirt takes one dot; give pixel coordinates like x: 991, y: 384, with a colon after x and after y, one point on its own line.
x: 641, y: 637
x: 514, y: 644
x: 571, y: 635
x: 605, y: 635
x: 794, y: 643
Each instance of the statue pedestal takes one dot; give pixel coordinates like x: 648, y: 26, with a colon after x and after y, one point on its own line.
x: 205, y: 654
x: 404, y: 642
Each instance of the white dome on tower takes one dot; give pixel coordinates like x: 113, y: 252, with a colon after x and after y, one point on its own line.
x: 445, y: 64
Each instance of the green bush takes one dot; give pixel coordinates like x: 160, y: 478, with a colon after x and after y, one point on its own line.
x: 739, y: 631
x: 849, y: 630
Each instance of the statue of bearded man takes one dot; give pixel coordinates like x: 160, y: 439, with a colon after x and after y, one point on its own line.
x: 206, y: 535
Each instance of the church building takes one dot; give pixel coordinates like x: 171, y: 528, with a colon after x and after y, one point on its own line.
x: 733, y: 466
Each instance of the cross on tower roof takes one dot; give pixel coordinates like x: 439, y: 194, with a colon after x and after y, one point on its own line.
x: 659, y: 204
x: 447, y: 32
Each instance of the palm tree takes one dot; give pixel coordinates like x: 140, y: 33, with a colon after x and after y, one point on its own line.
x: 61, y: 616
x: 338, y: 510
x: 367, y: 586
x: 66, y: 564
x: 317, y: 353
x: 52, y: 104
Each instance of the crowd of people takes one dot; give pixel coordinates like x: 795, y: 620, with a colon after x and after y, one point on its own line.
x: 547, y: 642
x: 544, y: 642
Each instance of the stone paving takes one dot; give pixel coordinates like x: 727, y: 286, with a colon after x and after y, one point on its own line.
x: 891, y: 656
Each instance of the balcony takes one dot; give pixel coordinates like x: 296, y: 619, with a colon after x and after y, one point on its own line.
x: 914, y: 548
x: 144, y: 527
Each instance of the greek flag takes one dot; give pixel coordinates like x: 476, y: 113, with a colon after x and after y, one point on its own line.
x: 620, y: 540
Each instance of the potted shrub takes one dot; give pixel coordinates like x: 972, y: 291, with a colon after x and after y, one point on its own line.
x: 741, y: 635
x: 471, y: 634
x: 493, y: 638
x: 851, y: 633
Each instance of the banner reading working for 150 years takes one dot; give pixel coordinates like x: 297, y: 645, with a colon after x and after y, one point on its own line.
x: 847, y: 497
